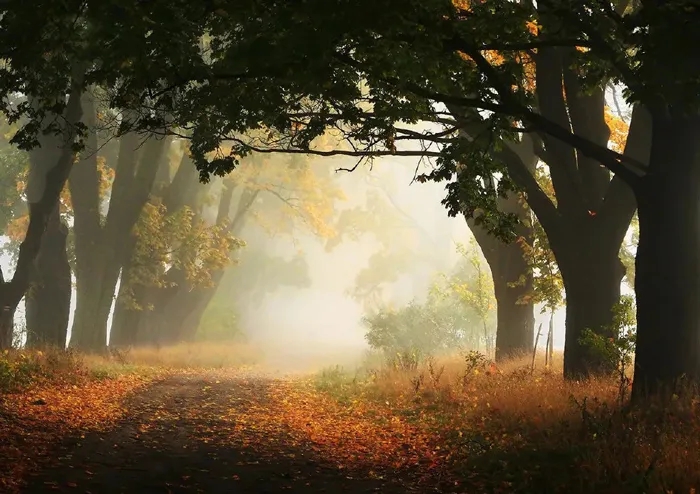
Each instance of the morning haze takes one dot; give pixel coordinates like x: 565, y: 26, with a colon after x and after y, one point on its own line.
x: 371, y: 246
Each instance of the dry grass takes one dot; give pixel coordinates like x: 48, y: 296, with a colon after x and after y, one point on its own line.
x: 200, y: 355
x: 507, y: 430
x: 22, y: 368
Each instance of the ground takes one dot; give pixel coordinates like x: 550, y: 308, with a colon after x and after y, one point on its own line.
x: 197, y: 433
x: 80, y: 423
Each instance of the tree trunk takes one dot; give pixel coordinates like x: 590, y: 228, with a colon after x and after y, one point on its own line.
x: 10, y: 296
x: 512, y: 281
x: 47, y: 302
x: 667, y: 280
x: 127, y: 317
x: 89, y: 331
x: 44, y: 186
x: 592, y: 274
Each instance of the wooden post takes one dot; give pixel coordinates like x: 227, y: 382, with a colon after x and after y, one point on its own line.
x: 534, y: 350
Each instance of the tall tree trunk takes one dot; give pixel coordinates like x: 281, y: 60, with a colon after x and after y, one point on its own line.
x: 94, y: 297
x: 44, y: 188
x: 187, y: 308
x: 668, y: 260
x: 512, y: 281
x: 10, y: 296
x: 133, y: 321
x: 47, y: 302
x: 592, y: 273
x: 102, y: 250
x: 178, y: 308
x: 515, y: 328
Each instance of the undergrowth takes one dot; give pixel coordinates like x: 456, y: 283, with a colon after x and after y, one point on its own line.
x: 21, y: 368
x: 507, y: 429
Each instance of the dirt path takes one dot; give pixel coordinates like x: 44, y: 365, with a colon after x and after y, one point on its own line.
x: 179, y: 437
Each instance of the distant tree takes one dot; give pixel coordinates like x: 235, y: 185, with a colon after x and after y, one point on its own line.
x: 477, y: 292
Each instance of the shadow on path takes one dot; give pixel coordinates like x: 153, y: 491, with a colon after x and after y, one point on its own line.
x: 176, y: 439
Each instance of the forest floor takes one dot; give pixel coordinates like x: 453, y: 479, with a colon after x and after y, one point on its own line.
x: 448, y: 426
x: 207, y: 432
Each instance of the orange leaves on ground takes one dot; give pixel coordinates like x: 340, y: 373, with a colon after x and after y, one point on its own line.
x: 357, y: 436
x: 34, y: 421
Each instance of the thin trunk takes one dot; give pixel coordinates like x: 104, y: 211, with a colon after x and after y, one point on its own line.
x: 550, y: 339
x: 47, y: 302
x: 7, y: 312
x: 668, y: 260
x: 127, y: 318
x: 534, y: 349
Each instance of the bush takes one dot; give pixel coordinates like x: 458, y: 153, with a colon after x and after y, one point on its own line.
x: 458, y: 314
x: 407, y: 335
x: 616, y: 351
x: 20, y: 368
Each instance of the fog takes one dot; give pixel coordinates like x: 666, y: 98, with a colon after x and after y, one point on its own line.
x: 304, y: 328
x: 319, y: 324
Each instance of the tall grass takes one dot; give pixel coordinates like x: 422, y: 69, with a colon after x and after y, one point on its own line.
x: 507, y: 428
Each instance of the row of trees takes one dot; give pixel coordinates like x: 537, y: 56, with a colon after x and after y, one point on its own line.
x: 134, y: 216
x: 507, y: 84
x: 512, y: 84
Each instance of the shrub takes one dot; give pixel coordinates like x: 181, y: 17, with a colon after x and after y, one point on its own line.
x: 20, y: 368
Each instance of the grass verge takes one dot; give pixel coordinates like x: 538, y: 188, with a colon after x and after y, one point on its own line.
x: 507, y: 429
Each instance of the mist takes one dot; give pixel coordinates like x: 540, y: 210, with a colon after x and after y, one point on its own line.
x: 305, y: 328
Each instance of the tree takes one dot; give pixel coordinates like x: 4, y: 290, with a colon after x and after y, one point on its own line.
x: 477, y: 293
x: 175, y: 286
x: 457, y: 314
x: 449, y: 62
x: 403, y: 243
x: 512, y: 280
x: 48, y: 299
x: 103, y: 244
x: 53, y: 52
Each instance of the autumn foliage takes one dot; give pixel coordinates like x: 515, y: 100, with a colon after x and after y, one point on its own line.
x: 48, y: 396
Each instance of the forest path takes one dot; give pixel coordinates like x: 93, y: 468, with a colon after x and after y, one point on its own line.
x: 213, y: 433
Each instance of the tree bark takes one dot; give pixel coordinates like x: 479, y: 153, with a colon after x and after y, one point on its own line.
x: 43, y: 191
x: 102, y: 250
x: 179, y: 307
x: 133, y: 321
x: 187, y: 308
x: 512, y: 282
x: 592, y: 273
x: 126, y: 318
x: 47, y: 303
x: 667, y: 280
x: 515, y: 327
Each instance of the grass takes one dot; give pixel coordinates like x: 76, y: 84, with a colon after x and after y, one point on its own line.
x: 20, y: 369
x: 505, y: 429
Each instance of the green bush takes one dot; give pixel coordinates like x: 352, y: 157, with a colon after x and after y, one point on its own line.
x: 409, y: 334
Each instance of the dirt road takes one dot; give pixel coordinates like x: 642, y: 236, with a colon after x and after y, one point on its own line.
x: 183, y: 435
